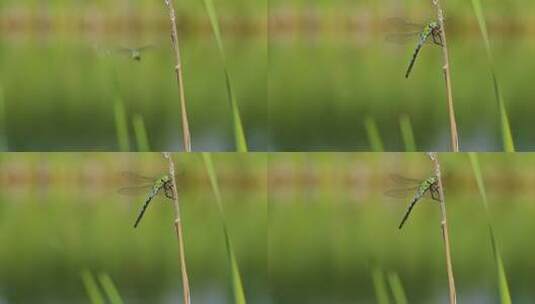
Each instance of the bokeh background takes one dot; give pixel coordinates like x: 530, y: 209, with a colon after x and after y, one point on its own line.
x: 61, y: 72
x: 305, y: 228
x: 62, y: 215
x: 332, y: 70
x: 332, y: 227
x: 307, y: 75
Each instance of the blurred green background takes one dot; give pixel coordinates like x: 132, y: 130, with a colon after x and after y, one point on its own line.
x: 61, y: 214
x: 305, y: 227
x: 306, y: 74
x: 331, y: 68
x: 61, y: 69
x: 331, y: 224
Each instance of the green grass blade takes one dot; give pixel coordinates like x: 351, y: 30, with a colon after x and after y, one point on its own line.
x: 237, y: 287
x: 93, y: 292
x: 109, y: 289
x: 3, y: 124
x: 503, y: 286
x: 239, y: 135
x: 379, y: 285
x: 140, y: 132
x: 474, y: 160
x: 507, y: 136
x: 121, y: 125
x: 407, y: 133
x: 121, y: 122
x: 397, y: 288
x: 373, y: 135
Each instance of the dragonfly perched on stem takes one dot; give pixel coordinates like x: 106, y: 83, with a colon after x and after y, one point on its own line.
x: 406, y: 30
x: 154, y: 186
x: 422, y: 188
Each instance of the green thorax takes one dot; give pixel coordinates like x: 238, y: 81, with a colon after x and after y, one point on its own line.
x: 136, y: 55
x: 428, y: 30
x: 426, y: 184
x: 160, y: 182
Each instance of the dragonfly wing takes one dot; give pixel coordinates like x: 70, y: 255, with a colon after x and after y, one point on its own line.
x: 146, y: 47
x: 133, y: 191
x: 402, y: 38
x: 403, y: 25
x: 400, y: 193
x: 404, y: 180
x: 123, y: 50
x: 136, y: 178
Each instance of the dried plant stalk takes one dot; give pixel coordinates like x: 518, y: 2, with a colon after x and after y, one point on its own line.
x: 178, y: 230
x: 178, y: 71
x: 444, y: 225
x: 447, y: 78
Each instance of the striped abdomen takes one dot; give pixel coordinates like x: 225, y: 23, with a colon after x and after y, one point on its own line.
x: 421, y: 42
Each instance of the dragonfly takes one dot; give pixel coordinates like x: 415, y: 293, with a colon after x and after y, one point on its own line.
x: 135, y: 53
x: 422, y: 188
x: 409, y: 30
x: 154, y: 186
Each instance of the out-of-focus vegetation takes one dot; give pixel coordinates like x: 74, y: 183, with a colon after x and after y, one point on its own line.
x: 304, y: 227
x: 62, y: 69
x: 61, y: 214
x: 70, y: 105
x: 328, y: 62
x: 349, y: 73
x: 126, y: 14
x: 343, y: 81
x: 332, y: 228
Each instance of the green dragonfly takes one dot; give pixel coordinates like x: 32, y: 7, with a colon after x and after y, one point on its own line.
x: 135, y: 53
x: 155, y: 186
x: 429, y: 185
x: 407, y: 30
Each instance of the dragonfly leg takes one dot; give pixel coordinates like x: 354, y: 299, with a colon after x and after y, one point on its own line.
x: 434, y: 192
x: 437, y: 38
x: 168, y: 190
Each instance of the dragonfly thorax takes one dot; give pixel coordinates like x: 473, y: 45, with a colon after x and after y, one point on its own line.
x: 136, y: 55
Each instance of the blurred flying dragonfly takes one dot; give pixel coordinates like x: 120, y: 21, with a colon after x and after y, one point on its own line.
x: 406, y: 31
x: 155, y: 186
x: 419, y: 188
x: 135, y: 53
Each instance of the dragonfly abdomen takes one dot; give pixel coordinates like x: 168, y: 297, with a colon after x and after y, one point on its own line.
x: 423, y: 38
x: 416, y: 198
x: 151, y: 195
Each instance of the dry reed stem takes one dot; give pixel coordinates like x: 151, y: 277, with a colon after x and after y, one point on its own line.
x: 447, y: 78
x: 444, y: 225
x: 178, y: 72
x: 178, y: 230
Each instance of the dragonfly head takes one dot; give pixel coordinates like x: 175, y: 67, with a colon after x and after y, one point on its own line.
x: 434, y: 25
x: 166, y: 178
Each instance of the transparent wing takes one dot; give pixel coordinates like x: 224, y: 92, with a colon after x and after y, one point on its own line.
x: 401, y: 25
x: 406, y: 38
x: 402, y: 38
x: 404, y: 180
x: 136, y: 178
x: 123, y: 50
x: 146, y: 47
x: 135, y: 191
x: 400, y: 193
